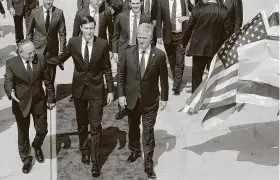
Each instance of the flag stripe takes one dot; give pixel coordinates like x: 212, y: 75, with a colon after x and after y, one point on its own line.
x: 224, y: 102
x: 221, y: 95
x: 256, y: 99
x: 261, y: 89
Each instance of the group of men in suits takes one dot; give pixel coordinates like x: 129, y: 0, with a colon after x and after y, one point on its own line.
x: 134, y: 27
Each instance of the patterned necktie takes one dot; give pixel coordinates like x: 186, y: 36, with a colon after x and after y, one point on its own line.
x: 86, y: 53
x: 173, y: 16
x: 29, y: 70
x: 48, y: 20
x: 142, y: 64
x: 147, y: 7
x: 134, y: 31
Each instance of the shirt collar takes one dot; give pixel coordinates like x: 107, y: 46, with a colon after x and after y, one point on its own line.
x: 89, y: 42
x: 147, y: 50
x: 45, y: 10
x: 132, y: 14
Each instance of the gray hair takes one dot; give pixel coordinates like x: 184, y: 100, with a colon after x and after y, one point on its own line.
x: 145, y: 27
x: 21, y: 43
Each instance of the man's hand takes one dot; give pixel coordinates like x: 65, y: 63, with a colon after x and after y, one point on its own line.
x: 13, y: 95
x: 110, y: 98
x: 154, y: 22
x: 12, y: 11
x: 159, y: 41
x: 122, y: 102
x: 115, y: 57
x: 51, y: 106
x: 183, y: 18
x: 162, y: 105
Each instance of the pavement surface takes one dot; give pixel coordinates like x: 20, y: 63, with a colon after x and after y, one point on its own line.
x: 244, y: 146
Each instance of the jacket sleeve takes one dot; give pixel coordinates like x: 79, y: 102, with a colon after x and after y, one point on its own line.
x: 122, y: 75
x: 9, y: 80
x: 2, y: 10
x: 62, y: 32
x: 190, y: 27
x: 48, y: 82
x: 31, y: 26
x: 76, y: 26
x: 116, y: 34
x: 238, y: 11
x: 159, y: 21
x: 110, y: 29
x: 164, y: 79
x: 107, y: 70
x: 62, y: 57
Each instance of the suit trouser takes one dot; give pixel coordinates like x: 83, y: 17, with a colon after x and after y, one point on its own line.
x: 148, y: 115
x: 198, y: 67
x: 40, y: 124
x: 89, y: 111
x: 18, y: 20
x: 52, y: 70
x: 2, y: 10
x: 176, y: 58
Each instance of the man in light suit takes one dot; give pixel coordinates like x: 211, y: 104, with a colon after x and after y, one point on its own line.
x: 140, y: 69
x: 24, y: 76
x: 235, y: 14
x: 125, y: 32
x: 46, y: 23
x: 172, y: 20
x: 91, y: 58
x: 20, y: 9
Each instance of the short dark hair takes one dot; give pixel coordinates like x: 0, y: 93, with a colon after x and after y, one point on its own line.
x: 87, y: 20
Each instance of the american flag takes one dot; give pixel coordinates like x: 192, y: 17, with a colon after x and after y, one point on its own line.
x: 220, y: 87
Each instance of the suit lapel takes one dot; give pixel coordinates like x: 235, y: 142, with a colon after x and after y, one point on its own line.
x: 136, y: 61
x: 42, y: 20
x: 23, y: 70
x: 126, y: 21
x: 94, y: 51
x: 150, y: 62
x: 53, y: 18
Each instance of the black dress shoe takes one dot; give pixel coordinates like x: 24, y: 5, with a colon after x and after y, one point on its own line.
x: 121, y: 114
x: 95, y: 171
x: 39, y: 155
x: 26, y: 168
x: 61, y: 66
x: 85, y: 159
x: 133, y: 157
x: 176, y: 92
x: 151, y: 173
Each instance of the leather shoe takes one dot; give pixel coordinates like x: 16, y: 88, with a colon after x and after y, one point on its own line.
x: 133, y: 157
x: 39, y: 155
x: 95, y: 171
x: 151, y: 173
x: 121, y: 114
x: 85, y: 159
x: 61, y: 66
x: 26, y: 168
x: 176, y: 92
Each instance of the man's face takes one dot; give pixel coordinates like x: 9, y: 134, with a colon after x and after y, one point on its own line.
x: 144, y: 39
x: 135, y: 5
x: 88, y: 30
x: 27, y: 51
x: 48, y: 3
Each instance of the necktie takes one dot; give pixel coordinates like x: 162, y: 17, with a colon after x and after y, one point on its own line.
x: 86, y: 54
x: 173, y: 16
x: 142, y: 64
x: 147, y: 7
x: 134, y: 32
x: 29, y: 70
x: 48, y: 20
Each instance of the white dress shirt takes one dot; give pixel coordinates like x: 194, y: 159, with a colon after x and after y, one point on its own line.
x: 146, y: 55
x: 95, y: 14
x: 25, y: 64
x: 178, y: 14
x: 89, y: 47
x: 131, y: 20
x: 45, y: 13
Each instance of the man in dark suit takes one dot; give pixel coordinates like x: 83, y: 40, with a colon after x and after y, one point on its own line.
x: 207, y: 29
x: 102, y: 16
x: 21, y: 9
x: 25, y: 74
x: 171, y: 21
x: 91, y: 58
x: 140, y: 69
x: 125, y: 31
x: 46, y: 23
x: 235, y: 14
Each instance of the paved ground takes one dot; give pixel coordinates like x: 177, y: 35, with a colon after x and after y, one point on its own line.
x: 245, y: 146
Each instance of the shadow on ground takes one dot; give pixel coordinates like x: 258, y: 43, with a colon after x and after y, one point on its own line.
x: 257, y: 143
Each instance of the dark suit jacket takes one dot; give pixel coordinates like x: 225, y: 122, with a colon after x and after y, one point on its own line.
x: 235, y: 9
x: 130, y: 81
x: 29, y: 92
x: 19, y: 6
x: 105, y: 21
x: 126, y: 6
x: 207, y: 28
x: 122, y: 32
x: 91, y: 74
x: 163, y: 27
x: 36, y: 31
x: 154, y: 8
